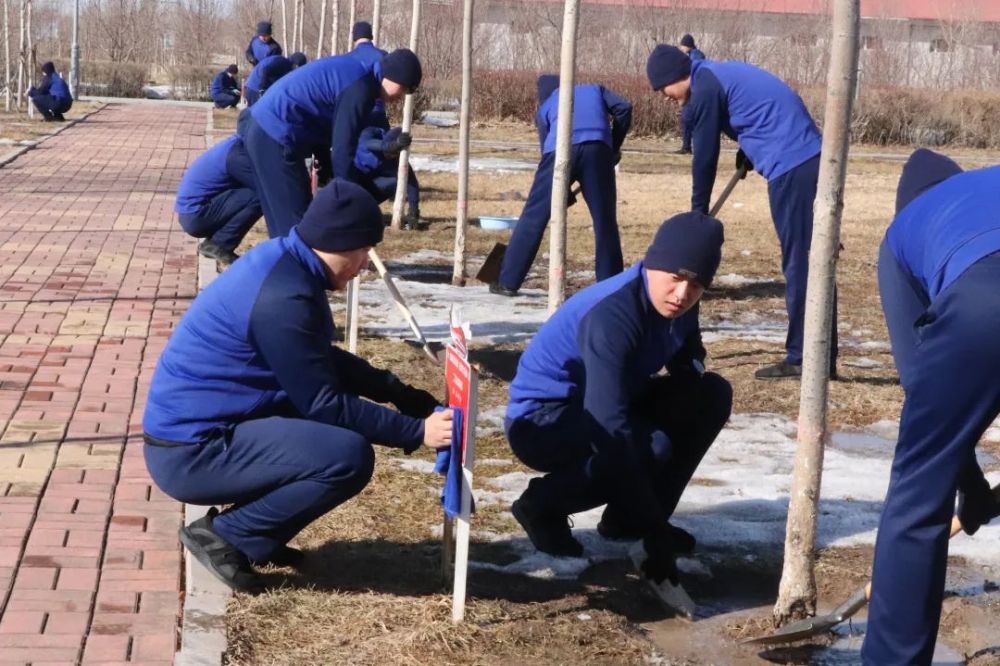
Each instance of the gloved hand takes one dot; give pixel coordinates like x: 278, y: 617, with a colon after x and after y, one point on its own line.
x: 976, y: 510
x: 661, y: 558
x: 395, y: 140
x: 414, y: 402
x: 743, y: 162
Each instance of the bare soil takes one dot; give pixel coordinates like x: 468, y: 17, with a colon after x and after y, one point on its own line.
x: 373, y: 592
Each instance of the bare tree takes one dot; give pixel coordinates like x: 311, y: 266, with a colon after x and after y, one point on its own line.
x: 6, y: 55
x: 797, y: 593
x: 335, y: 28
x: 322, y: 28
x: 21, y: 56
x: 403, y: 172
x: 462, y: 204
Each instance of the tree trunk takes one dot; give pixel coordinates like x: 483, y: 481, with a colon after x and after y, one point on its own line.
x: 8, y: 82
x: 376, y: 20
x: 302, y: 26
x: 462, y: 205
x: 21, y: 58
x: 352, y: 17
x: 30, y: 66
x: 284, y: 23
x: 335, y: 28
x: 295, y: 27
x: 560, y: 176
x: 322, y: 28
x: 797, y: 592
x: 404, y: 165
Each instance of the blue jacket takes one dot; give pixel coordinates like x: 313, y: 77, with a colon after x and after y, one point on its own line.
x: 696, y: 54
x: 591, y: 106
x: 371, y: 56
x: 370, y: 157
x: 267, y: 71
x: 943, y: 231
x: 256, y: 343
x: 53, y: 85
x: 223, y: 82
x: 224, y: 166
x: 324, y: 103
x: 755, y: 108
x: 258, y: 50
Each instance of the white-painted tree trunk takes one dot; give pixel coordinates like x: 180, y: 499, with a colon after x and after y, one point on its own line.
x: 560, y: 176
x: 352, y: 17
x: 284, y: 24
x: 403, y: 172
x: 322, y: 28
x: 21, y: 57
x: 376, y: 20
x: 797, y: 592
x: 462, y: 204
x: 7, y: 79
x: 335, y: 28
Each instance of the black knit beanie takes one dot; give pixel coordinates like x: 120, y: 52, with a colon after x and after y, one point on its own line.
x: 402, y: 66
x: 667, y: 64
x: 361, y: 30
x: 342, y: 217
x: 690, y: 245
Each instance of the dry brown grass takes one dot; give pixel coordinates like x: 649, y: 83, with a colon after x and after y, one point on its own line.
x: 19, y: 127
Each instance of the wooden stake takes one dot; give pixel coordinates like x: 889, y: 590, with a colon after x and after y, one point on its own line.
x: 462, y: 205
x: 465, y: 515
x: 353, y: 296
x: 402, y: 174
x: 376, y: 20
x: 797, y: 592
x: 560, y: 176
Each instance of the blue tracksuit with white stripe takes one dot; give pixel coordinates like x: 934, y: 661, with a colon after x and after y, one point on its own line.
x: 592, y: 163
x: 251, y: 405
x: 773, y: 127
x: 319, y: 108
x: 586, y: 408
x: 939, y: 271
x: 216, y: 197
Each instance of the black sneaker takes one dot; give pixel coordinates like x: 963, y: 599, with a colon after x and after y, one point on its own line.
x: 60, y: 117
x: 209, y: 248
x: 783, y: 370
x: 225, y: 562
x: 682, y: 151
x: 500, y: 290
x: 286, y: 556
x: 613, y: 529
x: 412, y: 222
x: 548, y: 533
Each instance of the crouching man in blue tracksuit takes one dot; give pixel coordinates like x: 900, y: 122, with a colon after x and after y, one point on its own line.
x: 776, y: 136
x: 52, y: 97
x: 267, y: 71
x: 224, y: 90
x: 589, y: 408
x: 320, y: 108
x: 251, y: 406
x: 377, y: 160
x: 939, y: 278
x: 596, y: 151
x: 217, y: 200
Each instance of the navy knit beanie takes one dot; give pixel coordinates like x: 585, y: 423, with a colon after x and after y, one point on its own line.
x: 298, y: 58
x: 233, y: 70
x: 547, y: 84
x: 690, y: 245
x: 688, y: 41
x: 402, y: 66
x: 48, y: 68
x: 264, y: 28
x: 342, y: 217
x: 361, y: 30
x: 922, y: 171
x: 667, y: 64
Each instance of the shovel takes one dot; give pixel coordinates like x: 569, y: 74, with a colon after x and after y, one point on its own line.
x: 814, y: 626
x: 738, y: 175
x: 434, y: 352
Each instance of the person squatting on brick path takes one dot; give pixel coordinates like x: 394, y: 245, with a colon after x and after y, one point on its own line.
x: 262, y: 44
x: 595, y: 152
x: 939, y: 279
x: 377, y: 162
x: 224, y: 90
x: 51, y: 96
x: 252, y: 406
x: 319, y: 109
x: 267, y: 71
x: 591, y: 409
x: 687, y: 45
x: 217, y: 199
x: 778, y: 138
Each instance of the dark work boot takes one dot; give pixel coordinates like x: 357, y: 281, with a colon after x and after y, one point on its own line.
x: 286, y: 556
x: 212, y: 250
x: 615, y: 528
x: 224, y: 561
x: 549, y: 533
x: 783, y: 370
x: 682, y: 151
x: 500, y: 290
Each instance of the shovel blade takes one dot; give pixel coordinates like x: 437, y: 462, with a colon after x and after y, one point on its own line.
x: 797, y: 631
x: 490, y: 270
x: 434, y: 351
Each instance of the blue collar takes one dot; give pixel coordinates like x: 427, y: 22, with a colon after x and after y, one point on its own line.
x: 305, y: 255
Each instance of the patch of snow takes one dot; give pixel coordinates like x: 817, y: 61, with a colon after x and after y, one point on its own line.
x: 490, y: 421
x: 415, y: 465
x: 495, y: 462
x: 863, y: 362
x: 736, y: 280
x: 750, y: 326
x: 448, y: 164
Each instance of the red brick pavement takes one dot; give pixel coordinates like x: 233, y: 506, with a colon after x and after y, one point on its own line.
x: 94, y: 272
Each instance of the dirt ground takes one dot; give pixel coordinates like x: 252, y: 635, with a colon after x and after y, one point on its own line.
x: 19, y: 127
x: 372, y: 593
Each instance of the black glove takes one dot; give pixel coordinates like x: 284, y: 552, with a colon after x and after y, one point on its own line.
x: 395, y: 141
x: 661, y: 559
x: 977, y: 509
x: 414, y: 402
x: 743, y: 162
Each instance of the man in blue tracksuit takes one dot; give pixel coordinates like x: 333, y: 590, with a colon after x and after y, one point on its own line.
x: 217, y: 201
x: 52, y: 97
x: 224, y: 89
x: 364, y: 49
x: 263, y: 44
x: 319, y: 109
x: 596, y: 150
x: 377, y: 160
x: 269, y: 70
x: 251, y: 406
x: 588, y: 407
x: 778, y: 137
x: 693, y: 52
x: 938, y: 273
